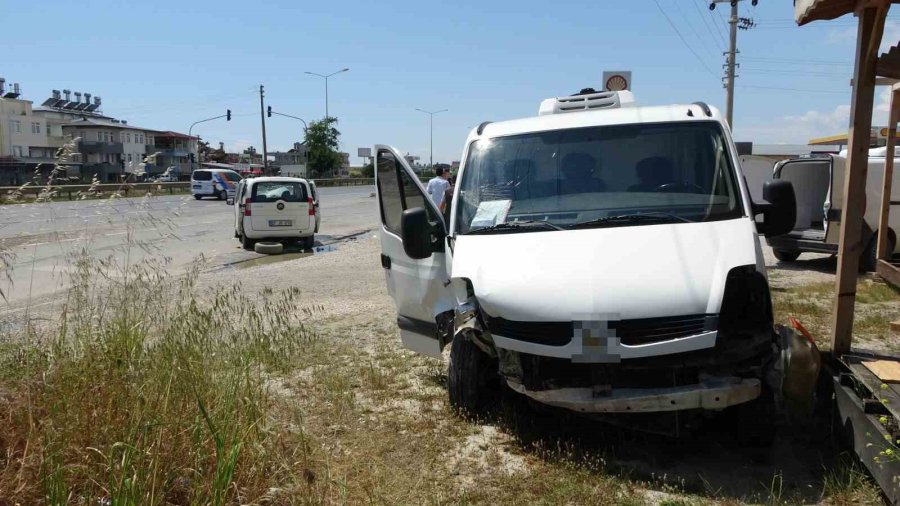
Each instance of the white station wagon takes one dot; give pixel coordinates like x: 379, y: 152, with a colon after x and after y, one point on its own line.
x: 276, y: 208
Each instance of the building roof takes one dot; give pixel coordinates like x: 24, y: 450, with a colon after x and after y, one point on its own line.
x: 105, y: 123
x: 175, y: 135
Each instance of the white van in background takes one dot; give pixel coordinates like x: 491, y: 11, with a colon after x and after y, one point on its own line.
x: 277, y: 208
x: 219, y: 183
x: 819, y: 184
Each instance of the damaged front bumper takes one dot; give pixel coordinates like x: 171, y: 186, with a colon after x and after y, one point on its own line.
x: 714, y: 393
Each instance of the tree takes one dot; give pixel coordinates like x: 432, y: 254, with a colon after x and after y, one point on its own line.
x: 322, y: 140
x: 368, y: 170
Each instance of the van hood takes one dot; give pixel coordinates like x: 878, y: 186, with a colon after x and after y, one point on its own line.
x: 620, y: 273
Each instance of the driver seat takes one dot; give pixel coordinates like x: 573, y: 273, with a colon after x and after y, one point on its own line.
x: 652, y: 172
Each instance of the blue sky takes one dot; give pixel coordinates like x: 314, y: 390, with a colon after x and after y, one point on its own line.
x: 164, y: 65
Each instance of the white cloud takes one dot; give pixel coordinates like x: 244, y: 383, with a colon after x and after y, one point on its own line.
x: 845, y: 36
x: 799, y: 129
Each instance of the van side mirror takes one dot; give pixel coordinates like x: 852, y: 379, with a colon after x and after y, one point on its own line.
x: 779, y: 208
x: 416, y: 231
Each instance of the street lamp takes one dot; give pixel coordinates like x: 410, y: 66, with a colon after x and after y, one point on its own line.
x: 431, y: 125
x: 326, y: 84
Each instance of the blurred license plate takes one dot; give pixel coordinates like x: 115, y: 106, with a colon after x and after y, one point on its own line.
x: 197, y: 187
x: 280, y: 223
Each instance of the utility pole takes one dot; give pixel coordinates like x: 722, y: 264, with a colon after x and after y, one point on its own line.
x: 731, y: 54
x: 431, y: 127
x: 262, y: 115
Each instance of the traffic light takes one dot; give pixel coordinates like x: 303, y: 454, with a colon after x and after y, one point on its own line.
x: 269, y: 111
x: 228, y: 115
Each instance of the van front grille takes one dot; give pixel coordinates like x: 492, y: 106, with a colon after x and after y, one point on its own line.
x: 630, y: 332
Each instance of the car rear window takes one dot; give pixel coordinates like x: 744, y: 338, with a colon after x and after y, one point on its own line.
x: 201, y: 175
x: 272, y: 191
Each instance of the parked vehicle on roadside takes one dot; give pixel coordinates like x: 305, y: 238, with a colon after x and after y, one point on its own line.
x: 600, y: 257
x: 276, y: 208
x: 219, y: 183
x: 167, y: 178
x: 819, y: 183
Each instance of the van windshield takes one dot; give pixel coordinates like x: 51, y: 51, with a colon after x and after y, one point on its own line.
x: 599, y: 176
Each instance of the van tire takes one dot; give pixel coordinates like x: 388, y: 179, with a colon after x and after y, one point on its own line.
x: 269, y: 248
x: 309, y: 242
x: 247, y: 243
x: 197, y: 197
x: 222, y: 195
x: 786, y: 255
x: 469, y: 377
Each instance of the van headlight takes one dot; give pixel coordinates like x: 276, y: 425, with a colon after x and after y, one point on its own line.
x: 746, y: 304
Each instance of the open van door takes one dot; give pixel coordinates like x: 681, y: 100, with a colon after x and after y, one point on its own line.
x: 418, y: 287
x: 812, y: 181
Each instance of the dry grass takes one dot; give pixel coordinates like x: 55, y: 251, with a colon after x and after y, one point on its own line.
x: 877, y: 304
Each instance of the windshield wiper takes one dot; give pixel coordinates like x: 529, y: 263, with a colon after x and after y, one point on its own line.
x: 658, y: 217
x: 522, y: 225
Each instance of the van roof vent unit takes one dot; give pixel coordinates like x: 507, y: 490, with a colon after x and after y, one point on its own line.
x: 587, y: 102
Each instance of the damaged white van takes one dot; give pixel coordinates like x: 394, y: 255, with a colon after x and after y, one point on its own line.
x: 600, y: 257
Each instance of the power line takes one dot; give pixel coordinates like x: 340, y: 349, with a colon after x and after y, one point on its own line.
x: 791, y: 61
x: 677, y: 32
x: 691, y: 26
x: 754, y: 70
x: 791, y: 89
x: 720, y: 41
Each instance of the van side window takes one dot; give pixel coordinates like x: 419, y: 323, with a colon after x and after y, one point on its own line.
x: 201, y: 175
x: 389, y: 188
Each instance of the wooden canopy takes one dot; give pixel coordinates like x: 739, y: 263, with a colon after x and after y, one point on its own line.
x: 806, y: 11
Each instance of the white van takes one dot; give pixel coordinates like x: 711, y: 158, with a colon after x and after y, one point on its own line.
x: 600, y: 257
x: 219, y: 183
x: 819, y: 183
x: 277, y: 208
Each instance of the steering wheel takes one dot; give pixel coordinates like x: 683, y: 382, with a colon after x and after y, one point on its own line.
x: 675, y: 187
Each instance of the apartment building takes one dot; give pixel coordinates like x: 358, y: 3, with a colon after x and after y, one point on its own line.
x: 30, y: 138
x: 292, y: 162
x: 108, y: 148
x: 171, y: 149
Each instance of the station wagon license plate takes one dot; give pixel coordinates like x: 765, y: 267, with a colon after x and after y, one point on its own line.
x: 280, y: 223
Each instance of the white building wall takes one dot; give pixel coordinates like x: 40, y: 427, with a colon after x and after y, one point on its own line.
x: 20, y: 129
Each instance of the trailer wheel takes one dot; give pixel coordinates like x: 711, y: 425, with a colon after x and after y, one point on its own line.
x: 470, y: 375
x: 786, y: 255
x: 869, y: 258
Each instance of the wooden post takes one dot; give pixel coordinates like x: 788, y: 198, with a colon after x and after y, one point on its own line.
x: 868, y: 38
x: 883, y: 218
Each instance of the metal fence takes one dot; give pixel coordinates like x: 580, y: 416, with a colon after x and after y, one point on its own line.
x: 75, y: 191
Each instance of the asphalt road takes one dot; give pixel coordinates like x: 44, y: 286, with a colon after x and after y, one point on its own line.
x: 43, y: 237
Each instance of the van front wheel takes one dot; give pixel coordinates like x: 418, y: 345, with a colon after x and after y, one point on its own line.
x: 786, y: 255
x: 470, y: 375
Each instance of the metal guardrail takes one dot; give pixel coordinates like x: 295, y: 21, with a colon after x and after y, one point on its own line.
x: 73, y: 191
